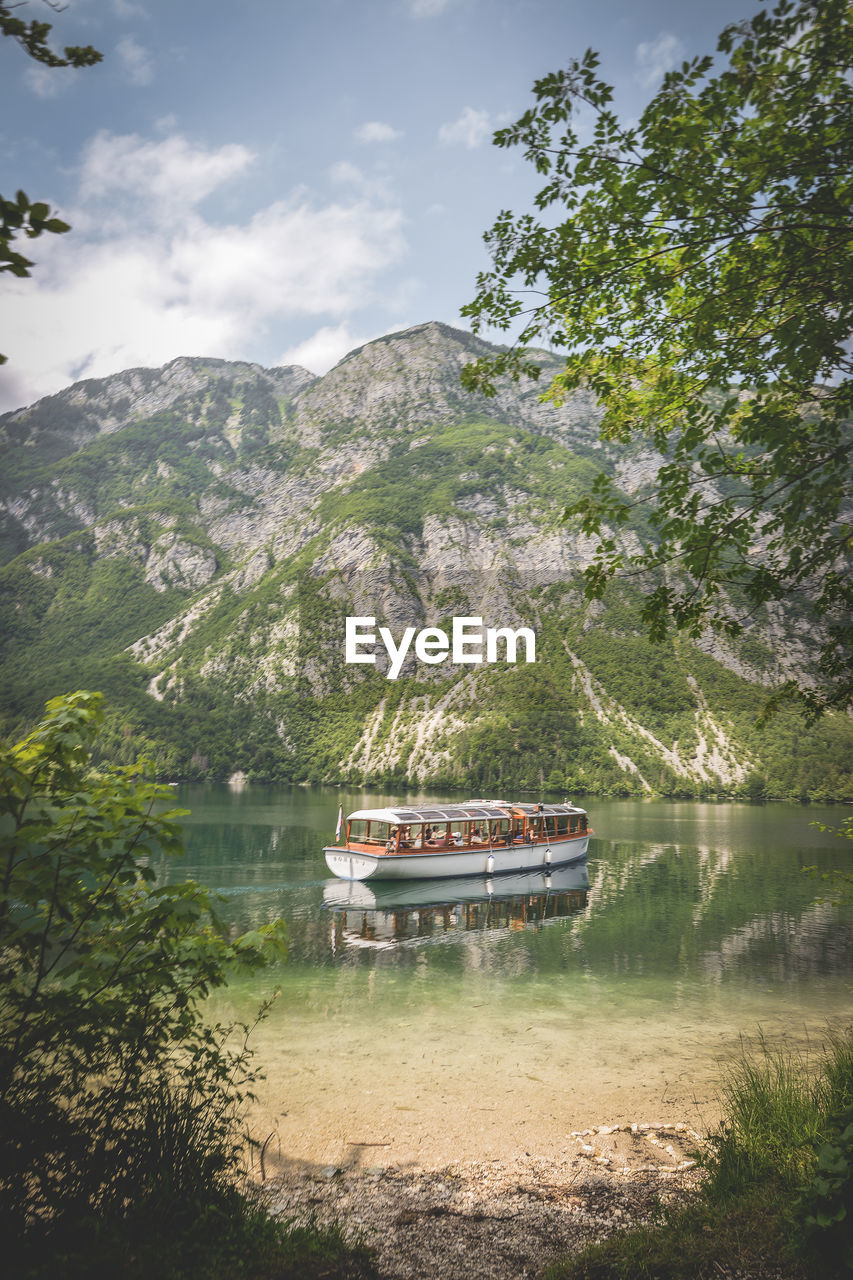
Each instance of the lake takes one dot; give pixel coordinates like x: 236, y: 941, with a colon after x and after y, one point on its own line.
x: 465, y: 1021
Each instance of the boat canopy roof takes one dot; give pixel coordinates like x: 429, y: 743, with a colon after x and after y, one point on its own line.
x: 473, y: 810
x: 433, y: 813
x: 545, y: 810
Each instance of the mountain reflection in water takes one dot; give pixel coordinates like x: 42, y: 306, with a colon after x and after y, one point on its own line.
x: 386, y: 916
x: 687, y: 903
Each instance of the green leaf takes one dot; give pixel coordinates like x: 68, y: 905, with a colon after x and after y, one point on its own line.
x: 703, y: 293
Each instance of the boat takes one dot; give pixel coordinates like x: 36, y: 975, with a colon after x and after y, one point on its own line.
x: 477, y: 838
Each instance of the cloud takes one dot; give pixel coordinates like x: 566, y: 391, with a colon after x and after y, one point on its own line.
x: 145, y: 276
x: 376, y: 131
x: 129, y: 9
x: 291, y: 257
x: 345, y: 173
x: 371, y: 186
x: 153, y: 182
x: 324, y: 348
x: 471, y: 129
x: 655, y: 57
x: 156, y: 176
x: 48, y: 82
x: 427, y: 8
x: 135, y: 60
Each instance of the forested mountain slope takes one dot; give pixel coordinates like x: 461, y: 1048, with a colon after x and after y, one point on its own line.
x: 192, y: 539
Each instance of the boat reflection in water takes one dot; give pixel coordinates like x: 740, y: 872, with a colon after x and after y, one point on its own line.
x: 384, y: 915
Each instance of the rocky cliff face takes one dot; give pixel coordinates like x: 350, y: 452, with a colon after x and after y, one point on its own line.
x: 193, y: 538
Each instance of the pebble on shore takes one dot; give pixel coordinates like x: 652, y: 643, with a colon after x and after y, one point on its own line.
x: 497, y: 1220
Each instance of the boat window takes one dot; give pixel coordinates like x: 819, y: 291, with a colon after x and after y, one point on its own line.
x: 363, y: 831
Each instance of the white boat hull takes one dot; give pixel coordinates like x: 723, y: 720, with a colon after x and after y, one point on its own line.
x: 415, y: 895
x: 352, y: 864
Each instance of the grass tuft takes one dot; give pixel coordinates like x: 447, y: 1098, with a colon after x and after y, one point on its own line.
x: 778, y: 1108
x: 748, y: 1218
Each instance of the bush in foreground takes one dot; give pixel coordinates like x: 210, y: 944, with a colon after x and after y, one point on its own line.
x: 120, y: 1105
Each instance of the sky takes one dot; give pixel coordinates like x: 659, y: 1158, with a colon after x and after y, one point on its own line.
x: 280, y: 181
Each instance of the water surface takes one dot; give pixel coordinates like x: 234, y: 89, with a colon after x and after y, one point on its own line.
x: 468, y: 1017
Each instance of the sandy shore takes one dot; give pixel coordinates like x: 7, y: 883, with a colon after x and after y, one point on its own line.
x: 379, y: 1115
x: 483, y: 1139
x: 491, y: 1153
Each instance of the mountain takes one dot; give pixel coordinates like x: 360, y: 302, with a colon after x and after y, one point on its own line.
x: 191, y: 540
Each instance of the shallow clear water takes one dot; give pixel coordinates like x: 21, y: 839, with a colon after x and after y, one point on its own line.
x: 690, y: 925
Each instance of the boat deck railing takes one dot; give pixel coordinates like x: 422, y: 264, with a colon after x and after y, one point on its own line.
x: 458, y: 844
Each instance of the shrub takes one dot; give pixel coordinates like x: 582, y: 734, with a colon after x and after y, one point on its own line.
x: 116, y: 1096
x: 778, y: 1107
x: 825, y: 1207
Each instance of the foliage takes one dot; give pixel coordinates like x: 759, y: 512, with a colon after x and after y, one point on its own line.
x: 530, y: 730
x: 441, y: 474
x: 840, y: 879
x: 527, y: 727
x: 781, y: 1129
x: 70, y: 627
x: 699, y: 282
x: 792, y: 760
x: 697, y: 1241
x: 234, y: 1238
x: 161, y: 458
x: 246, y: 669
x: 648, y: 680
x: 825, y: 1207
x: 115, y: 1094
x: 22, y: 216
x: 33, y: 38
x: 778, y: 1107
